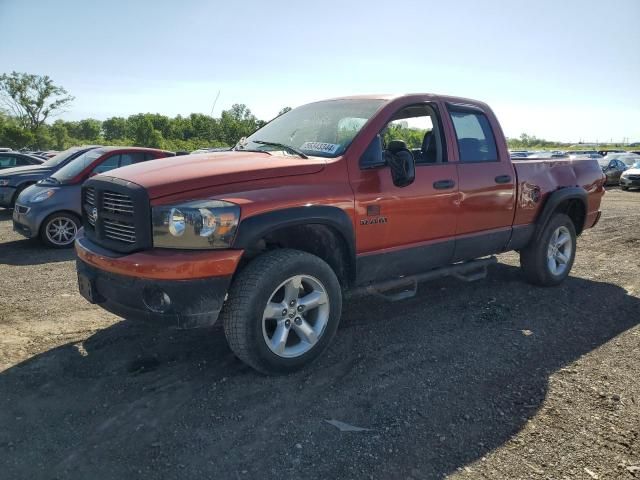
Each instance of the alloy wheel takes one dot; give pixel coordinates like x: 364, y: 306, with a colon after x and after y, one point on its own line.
x: 559, y: 251
x: 295, y: 316
x: 61, y: 231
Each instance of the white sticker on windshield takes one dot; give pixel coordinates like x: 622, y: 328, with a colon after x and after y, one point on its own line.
x: 320, y: 147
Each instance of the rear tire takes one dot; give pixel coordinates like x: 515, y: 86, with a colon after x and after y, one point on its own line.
x: 547, y: 261
x: 59, y: 230
x: 282, y: 311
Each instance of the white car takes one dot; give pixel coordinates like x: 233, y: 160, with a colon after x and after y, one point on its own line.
x: 630, y: 178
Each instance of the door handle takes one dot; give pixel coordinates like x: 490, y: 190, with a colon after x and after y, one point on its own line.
x: 503, y: 179
x: 444, y: 184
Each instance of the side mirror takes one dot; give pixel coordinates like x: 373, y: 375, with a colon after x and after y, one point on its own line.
x: 401, y: 162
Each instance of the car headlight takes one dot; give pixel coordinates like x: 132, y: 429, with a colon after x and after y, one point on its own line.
x: 42, y: 196
x: 195, y: 225
x: 4, y: 182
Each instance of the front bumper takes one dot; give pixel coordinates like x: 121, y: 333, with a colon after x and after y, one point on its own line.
x: 627, y: 182
x: 178, y: 303
x: 6, y: 195
x: 26, y: 221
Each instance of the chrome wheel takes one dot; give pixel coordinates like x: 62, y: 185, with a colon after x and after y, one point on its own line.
x: 61, y: 231
x: 559, y: 251
x: 295, y: 316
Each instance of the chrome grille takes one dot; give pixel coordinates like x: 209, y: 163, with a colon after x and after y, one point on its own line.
x: 633, y: 177
x: 119, y: 231
x: 117, y: 203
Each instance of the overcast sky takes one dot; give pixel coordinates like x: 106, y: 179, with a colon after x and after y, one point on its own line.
x: 565, y: 70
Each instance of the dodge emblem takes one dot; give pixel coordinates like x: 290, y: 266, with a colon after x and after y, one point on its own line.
x: 94, y: 214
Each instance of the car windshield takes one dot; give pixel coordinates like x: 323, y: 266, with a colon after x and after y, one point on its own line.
x: 59, y: 158
x: 323, y: 129
x: 636, y: 165
x: 77, y: 165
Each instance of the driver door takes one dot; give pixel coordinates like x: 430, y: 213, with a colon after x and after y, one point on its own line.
x: 406, y: 230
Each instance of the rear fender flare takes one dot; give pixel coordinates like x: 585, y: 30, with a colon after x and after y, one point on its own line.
x: 554, y: 201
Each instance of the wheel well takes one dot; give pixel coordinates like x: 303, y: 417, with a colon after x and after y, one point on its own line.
x: 575, y: 209
x: 20, y: 188
x: 320, y: 240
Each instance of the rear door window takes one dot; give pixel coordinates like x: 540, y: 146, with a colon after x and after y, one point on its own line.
x: 7, y: 161
x: 109, y: 164
x: 130, y: 158
x: 476, y: 142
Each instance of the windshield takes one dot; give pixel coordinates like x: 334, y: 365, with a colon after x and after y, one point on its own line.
x: 323, y: 129
x: 636, y: 165
x: 77, y: 165
x: 61, y: 157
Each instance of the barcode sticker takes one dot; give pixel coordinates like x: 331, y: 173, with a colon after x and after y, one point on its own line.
x: 320, y: 147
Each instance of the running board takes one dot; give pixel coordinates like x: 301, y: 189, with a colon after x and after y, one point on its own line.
x: 408, y: 286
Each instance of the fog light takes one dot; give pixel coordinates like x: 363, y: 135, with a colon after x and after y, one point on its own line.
x: 156, y: 299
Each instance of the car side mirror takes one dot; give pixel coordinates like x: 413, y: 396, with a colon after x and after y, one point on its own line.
x: 401, y: 162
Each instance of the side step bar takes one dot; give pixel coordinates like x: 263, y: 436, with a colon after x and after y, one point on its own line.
x: 466, y: 271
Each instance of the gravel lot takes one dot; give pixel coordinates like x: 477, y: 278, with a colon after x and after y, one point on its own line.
x: 493, y: 379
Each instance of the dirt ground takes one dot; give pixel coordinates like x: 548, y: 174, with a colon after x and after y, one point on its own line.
x: 494, y: 379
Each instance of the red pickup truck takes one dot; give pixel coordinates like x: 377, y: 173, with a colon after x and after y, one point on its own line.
x: 362, y: 194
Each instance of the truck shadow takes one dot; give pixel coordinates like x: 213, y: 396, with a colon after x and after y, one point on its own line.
x: 440, y: 381
x: 32, y: 252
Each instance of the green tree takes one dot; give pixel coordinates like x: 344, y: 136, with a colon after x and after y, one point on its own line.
x: 284, y: 110
x: 114, y: 128
x: 236, y: 123
x: 147, y: 136
x: 60, y: 134
x: 89, y: 130
x: 31, y: 99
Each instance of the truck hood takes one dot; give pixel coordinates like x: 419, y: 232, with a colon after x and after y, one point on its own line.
x: 173, y: 175
x: 26, y: 170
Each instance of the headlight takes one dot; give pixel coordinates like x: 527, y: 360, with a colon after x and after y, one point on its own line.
x: 4, y: 182
x: 42, y: 196
x: 195, y: 225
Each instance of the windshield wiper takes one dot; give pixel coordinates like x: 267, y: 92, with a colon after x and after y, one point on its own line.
x: 50, y: 180
x: 242, y: 149
x: 281, y: 145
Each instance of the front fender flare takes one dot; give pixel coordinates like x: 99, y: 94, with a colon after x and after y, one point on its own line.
x: 256, y: 227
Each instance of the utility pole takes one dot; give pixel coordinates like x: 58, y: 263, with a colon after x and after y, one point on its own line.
x: 214, y: 103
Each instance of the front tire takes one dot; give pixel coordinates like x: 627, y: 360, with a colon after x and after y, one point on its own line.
x: 59, y: 230
x: 282, y: 311
x: 547, y: 261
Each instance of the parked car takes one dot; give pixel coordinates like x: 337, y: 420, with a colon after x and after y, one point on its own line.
x: 583, y: 154
x: 331, y: 197
x: 627, y: 158
x: 14, y: 180
x: 51, y: 209
x: 630, y: 178
x: 17, y: 159
x: 606, y: 152
x: 612, y: 168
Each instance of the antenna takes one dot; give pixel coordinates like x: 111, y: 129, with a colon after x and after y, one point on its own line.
x: 214, y: 103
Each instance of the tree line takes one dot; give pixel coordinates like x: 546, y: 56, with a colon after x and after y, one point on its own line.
x: 28, y: 103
